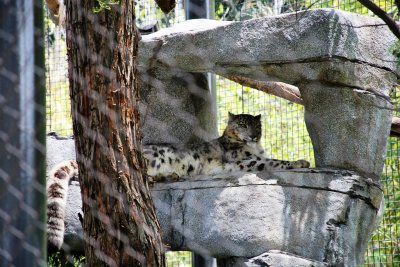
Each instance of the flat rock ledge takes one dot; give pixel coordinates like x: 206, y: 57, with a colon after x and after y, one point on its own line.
x: 272, y: 258
x: 324, y: 216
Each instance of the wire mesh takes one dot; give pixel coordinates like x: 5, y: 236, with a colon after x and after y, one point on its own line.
x: 58, y: 103
x: 243, y: 10
x: 384, y: 247
x: 285, y: 135
x: 284, y: 132
x: 57, y: 86
x: 179, y: 259
x: 147, y: 13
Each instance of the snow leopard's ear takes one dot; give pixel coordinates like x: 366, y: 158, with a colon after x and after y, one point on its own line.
x: 231, y: 116
x: 258, y: 117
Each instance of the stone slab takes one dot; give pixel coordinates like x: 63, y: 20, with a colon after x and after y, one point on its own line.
x: 326, y: 215
x: 289, y: 48
x: 348, y: 127
x: 272, y: 258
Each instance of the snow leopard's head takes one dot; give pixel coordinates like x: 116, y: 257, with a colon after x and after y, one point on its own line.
x: 243, y: 128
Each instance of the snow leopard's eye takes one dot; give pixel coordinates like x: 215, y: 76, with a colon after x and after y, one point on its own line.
x: 243, y: 125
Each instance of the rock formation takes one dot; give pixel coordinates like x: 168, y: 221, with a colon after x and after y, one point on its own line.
x: 317, y: 217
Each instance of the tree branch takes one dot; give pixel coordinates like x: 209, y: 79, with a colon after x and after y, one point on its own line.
x: 291, y: 93
x: 283, y: 90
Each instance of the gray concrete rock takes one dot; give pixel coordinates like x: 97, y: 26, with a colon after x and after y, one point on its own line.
x: 325, y: 44
x: 274, y: 258
x: 324, y: 215
x: 73, y: 238
x: 176, y: 107
x: 348, y: 127
x: 58, y: 149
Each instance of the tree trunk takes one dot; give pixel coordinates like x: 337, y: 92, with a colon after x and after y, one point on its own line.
x: 120, y: 225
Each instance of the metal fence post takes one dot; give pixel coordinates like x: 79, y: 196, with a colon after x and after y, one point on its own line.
x: 196, y: 9
x: 22, y: 135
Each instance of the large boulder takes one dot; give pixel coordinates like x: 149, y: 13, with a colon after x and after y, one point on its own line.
x: 325, y: 215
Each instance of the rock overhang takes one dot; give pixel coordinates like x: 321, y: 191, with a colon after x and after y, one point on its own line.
x: 290, y: 47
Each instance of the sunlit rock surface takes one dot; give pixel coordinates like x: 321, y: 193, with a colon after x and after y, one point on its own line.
x: 321, y: 215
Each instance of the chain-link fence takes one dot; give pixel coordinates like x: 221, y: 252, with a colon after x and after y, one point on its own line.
x: 284, y: 132
x: 57, y: 93
x: 384, y: 249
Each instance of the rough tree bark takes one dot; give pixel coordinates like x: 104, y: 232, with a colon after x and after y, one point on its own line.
x: 120, y: 224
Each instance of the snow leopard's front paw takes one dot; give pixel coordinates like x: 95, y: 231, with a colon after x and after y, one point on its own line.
x: 301, y: 163
x: 173, y: 177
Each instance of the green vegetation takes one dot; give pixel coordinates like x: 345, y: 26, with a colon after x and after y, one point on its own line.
x: 395, y: 50
x: 105, y: 5
x: 148, y: 13
x: 58, y: 260
x: 237, y: 10
x: 177, y: 259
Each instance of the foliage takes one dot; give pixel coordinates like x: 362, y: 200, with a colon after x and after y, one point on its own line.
x: 395, y: 50
x: 59, y: 260
x: 57, y: 93
x: 179, y: 259
x: 384, y: 247
x: 148, y: 13
x: 174, y: 259
x: 105, y: 5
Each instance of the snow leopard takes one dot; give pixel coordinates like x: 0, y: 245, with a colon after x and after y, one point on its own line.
x: 237, y: 149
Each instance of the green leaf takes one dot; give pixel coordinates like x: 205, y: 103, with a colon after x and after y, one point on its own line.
x: 104, y: 4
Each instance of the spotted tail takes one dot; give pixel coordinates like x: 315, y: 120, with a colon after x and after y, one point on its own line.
x: 57, y: 191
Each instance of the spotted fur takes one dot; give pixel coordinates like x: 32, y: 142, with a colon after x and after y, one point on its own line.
x: 238, y: 149
x: 57, y: 191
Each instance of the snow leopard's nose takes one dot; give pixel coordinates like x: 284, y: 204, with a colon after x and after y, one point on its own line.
x: 254, y: 137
